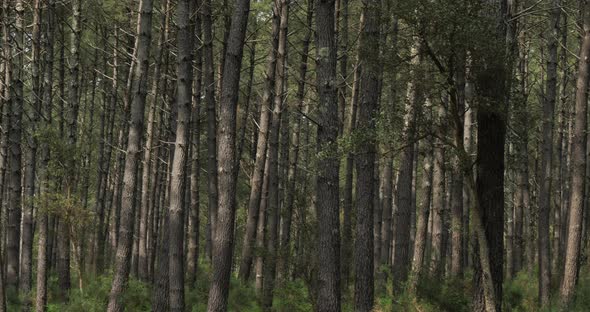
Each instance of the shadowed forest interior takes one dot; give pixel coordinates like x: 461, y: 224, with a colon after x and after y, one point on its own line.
x: 294, y: 155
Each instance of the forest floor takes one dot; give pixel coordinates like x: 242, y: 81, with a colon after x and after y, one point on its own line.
x: 520, y: 295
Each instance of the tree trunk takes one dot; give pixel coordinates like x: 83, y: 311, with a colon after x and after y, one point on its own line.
x: 572, y: 255
x: 270, y: 260
x: 422, y: 221
x: 209, y: 86
x: 184, y: 72
x: 365, y: 160
x: 547, y: 145
x: 401, y: 259
x: 256, y: 181
x: 438, y: 209
x: 15, y: 136
x: 139, y: 93
x: 226, y: 149
x: 328, y: 240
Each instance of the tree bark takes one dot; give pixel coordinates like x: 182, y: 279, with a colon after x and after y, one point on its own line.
x: 365, y: 159
x: 256, y: 181
x: 139, y: 93
x: 328, y: 244
x: 226, y: 149
x: 547, y: 157
x: 184, y: 73
x: 209, y: 86
x: 572, y: 255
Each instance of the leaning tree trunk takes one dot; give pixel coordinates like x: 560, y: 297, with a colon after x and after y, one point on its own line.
x: 226, y: 150
x: 257, y: 179
x: 139, y: 93
x: 572, y: 255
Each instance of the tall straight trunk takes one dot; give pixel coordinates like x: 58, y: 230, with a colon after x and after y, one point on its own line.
x: 5, y: 94
x: 491, y: 81
x: 261, y: 232
x: 365, y: 160
x: 271, y: 252
x: 148, y: 151
x: 457, y: 231
x: 422, y: 221
x: 209, y: 86
x: 184, y: 73
x: 102, y: 219
x: 43, y: 218
x: 26, y: 269
x: 328, y: 241
x: 195, y: 221
x: 226, y: 150
x: 438, y: 209
x: 347, y: 220
x: 15, y: 153
x: 139, y: 93
x: 547, y: 145
x: 401, y: 259
x: 256, y: 181
x: 574, y: 234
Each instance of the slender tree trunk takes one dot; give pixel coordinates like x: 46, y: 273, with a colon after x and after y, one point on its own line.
x: 195, y: 221
x: 184, y: 73
x: 572, y: 255
x: 256, y: 181
x: 422, y: 221
x: 226, y: 150
x: 365, y: 160
x: 139, y: 93
x: 270, y: 260
x: 438, y: 198
x: 328, y: 241
x: 401, y: 259
x: 43, y: 222
x: 26, y: 269
x: 15, y: 136
x: 545, y: 181
x: 209, y: 86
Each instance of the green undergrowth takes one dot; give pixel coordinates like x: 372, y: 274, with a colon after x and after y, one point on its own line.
x: 520, y: 294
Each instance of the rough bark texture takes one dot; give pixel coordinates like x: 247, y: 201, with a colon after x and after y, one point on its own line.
x: 226, y: 149
x: 139, y: 93
x: 327, y: 192
x: 256, y: 180
x: 547, y: 156
x: 365, y: 159
x: 422, y: 222
x: 184, y: 73
x: 209, y: 86
x: 572, y: 255
x: 401, y: 258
